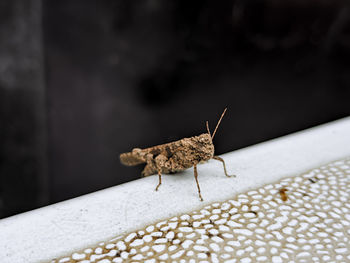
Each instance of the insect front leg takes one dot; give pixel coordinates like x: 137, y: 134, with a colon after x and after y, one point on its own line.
x: 223, y: 162
x: 196, y: 177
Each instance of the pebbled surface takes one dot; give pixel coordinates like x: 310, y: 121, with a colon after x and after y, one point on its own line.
x: 299, y: 219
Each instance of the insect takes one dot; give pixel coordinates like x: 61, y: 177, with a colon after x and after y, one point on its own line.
x: 176, y: 156
x: 283, y: 194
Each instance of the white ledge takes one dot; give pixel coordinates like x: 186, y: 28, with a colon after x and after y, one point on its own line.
x: 59, y: 229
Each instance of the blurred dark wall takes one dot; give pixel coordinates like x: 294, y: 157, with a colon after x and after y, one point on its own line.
x: 123, y: 74
x: 23, y: 129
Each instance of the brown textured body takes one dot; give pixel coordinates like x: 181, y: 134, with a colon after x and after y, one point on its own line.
x: 171, y: 157
x: 175, y: 156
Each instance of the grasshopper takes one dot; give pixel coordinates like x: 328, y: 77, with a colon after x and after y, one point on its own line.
x: 176, y: 156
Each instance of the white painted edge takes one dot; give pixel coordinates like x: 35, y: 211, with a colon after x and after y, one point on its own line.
x: 59, y: 229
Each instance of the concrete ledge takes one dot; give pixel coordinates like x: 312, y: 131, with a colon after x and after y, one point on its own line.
x: 60, y: 229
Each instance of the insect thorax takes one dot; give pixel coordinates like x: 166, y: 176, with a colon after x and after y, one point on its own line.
x: 203, y: 148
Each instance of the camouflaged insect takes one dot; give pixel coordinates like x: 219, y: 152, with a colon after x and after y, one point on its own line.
x: 175, y: 156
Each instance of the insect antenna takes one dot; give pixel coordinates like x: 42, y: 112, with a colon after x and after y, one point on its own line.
x: 207, y: 123
x: 217, y: 125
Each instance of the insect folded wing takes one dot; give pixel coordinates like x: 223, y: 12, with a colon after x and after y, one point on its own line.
x: 130, y: 159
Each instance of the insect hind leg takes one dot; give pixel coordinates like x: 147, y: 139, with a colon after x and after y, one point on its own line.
x: 148, y: 170
x: 160, y: 179
x: 160, y: 162
x: 223, y: 162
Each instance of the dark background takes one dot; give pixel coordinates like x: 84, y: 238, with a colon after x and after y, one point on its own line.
x: 83, y: 81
